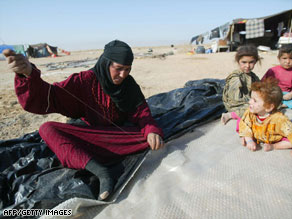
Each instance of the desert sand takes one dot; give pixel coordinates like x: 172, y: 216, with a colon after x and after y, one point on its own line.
x: 155, y: 74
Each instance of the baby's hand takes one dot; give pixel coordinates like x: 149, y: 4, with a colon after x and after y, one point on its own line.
x: 250, y: 144
x: 268, y: 147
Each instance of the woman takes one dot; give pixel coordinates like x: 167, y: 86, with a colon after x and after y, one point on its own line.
x: 104, y: 97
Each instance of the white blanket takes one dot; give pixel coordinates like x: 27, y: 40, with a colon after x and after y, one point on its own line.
x: 204, y: 174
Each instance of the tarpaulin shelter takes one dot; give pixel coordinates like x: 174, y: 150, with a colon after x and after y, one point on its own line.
x: 42, y: 50
x: 215, y: 34
x: 264, y: 31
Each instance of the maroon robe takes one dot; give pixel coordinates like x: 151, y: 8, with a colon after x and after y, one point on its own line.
x: 81, y: 96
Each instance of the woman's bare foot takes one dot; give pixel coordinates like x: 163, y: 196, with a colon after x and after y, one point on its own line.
x: 225, y: 117
x: 268, y: 147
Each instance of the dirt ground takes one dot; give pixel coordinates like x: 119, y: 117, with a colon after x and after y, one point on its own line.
x: 165, y: 69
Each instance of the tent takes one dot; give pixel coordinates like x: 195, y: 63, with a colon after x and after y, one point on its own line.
x: 264, y: 31
x: 42, y: 50
x: 215, y: 34
x: 35, y: 51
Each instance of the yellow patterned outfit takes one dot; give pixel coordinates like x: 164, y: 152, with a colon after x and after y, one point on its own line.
x: 271, y: 130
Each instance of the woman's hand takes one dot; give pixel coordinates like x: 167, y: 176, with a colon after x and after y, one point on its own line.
x: 17, y: 63
x: 155, y: 141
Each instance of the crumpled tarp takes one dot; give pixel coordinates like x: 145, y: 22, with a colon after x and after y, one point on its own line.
x: 180, y: 110
x: 32, y: 177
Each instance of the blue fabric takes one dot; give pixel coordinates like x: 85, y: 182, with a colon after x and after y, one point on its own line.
x: 287, y: 102
x: 3, y: 47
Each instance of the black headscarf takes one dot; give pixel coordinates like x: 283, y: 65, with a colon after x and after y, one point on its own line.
x: 127, y: 96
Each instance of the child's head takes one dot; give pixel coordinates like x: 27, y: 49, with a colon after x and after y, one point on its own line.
x: 285, y: 56
x: 247, y: 56
x: 266, y: 96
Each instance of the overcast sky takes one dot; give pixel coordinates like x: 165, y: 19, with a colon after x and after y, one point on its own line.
x: 89, y: 24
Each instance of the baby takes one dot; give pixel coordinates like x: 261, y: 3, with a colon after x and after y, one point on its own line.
x: 262, y: 122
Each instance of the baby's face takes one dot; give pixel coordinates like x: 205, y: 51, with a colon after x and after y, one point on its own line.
x: 286, y: 61
x: 256, y: 104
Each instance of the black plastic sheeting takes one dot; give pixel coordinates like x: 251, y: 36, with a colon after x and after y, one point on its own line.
x: 32, y: 177
x: 180, y: 110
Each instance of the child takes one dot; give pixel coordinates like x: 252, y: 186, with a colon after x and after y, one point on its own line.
x: 236, y: 92
x: 283, y: 73
x: 262, y: 122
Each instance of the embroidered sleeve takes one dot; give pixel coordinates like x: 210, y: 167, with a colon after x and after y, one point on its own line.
x: 245, y: 125
x: 285, y: 127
